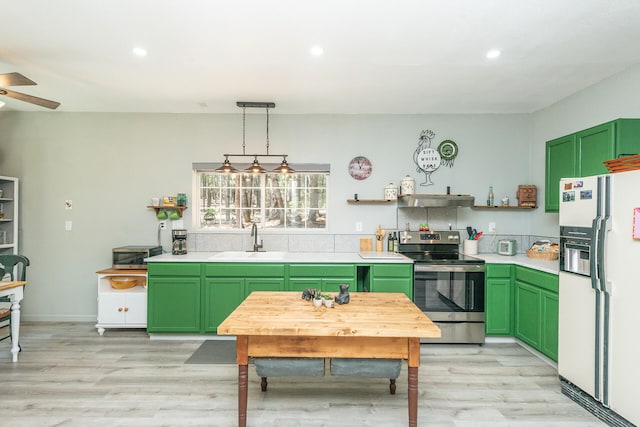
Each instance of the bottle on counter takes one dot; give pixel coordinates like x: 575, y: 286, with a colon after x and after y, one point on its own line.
x: 490, y: 197
x: 390, y: 243
x: 395, y: 242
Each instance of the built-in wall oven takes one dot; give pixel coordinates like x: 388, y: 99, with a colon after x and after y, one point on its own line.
x: 448, y: 286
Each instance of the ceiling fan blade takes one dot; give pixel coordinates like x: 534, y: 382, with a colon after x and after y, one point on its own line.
x: 30, y: 99
x: 15, y: 79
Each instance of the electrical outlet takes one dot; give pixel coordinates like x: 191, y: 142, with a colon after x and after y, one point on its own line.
x: 163, y: 225
x: 359, y: 226
x: 492, y: 227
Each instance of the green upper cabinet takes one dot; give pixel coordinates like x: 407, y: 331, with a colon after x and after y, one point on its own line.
x: 595, y: 145
x: 560, y: 162
x: 583, y: 153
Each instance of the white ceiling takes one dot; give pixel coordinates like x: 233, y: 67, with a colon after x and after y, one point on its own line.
x: 398, y: 57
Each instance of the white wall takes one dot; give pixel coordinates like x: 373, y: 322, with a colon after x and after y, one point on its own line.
x: 613, y: 98
x: 110, y: 165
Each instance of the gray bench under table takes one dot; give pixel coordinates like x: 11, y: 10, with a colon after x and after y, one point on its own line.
x: 315, y: 367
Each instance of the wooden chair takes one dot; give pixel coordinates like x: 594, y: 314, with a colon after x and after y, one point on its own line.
x: 16, y: 267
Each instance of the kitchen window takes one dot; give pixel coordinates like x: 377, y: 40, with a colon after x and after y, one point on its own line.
x: 272, y: 200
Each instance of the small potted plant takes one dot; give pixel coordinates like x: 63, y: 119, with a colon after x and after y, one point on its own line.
x: 317, y: 299
x: 328, y: 300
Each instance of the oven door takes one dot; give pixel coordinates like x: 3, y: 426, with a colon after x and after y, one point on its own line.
x: 452, y: 296
x: 450, y: 292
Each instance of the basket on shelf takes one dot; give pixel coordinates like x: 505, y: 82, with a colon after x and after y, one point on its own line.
x: 623, y: 164
x: 545, y: 255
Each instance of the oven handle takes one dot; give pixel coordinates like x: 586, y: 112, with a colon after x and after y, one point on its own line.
x: 419, y: 268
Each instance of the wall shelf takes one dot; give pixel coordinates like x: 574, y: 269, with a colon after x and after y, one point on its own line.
x: 505, y: 207
x: 175, y: 208
x: 367, y: 201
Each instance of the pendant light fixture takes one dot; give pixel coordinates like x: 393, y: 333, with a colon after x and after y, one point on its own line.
x: 255, y: 165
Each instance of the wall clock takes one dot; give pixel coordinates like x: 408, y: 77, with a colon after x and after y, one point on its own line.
x: 360, y: 168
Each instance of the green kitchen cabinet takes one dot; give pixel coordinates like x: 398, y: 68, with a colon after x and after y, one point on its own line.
x: 327, y: 277
x: 536, y: 310
x: 499, y: 300
x: 594, y: 146
x: 226, y: 285
x: 173, y: 303
x: 560, y: 163
x: 583, y: 153
x: 549, y: 338
x: 220, y: 296
x: 528, y: 314
x: 392, y: 278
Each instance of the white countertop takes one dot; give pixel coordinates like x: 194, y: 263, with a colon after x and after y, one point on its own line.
x: 522, y: 260
x: 285, y: 257
x: 342, y: 257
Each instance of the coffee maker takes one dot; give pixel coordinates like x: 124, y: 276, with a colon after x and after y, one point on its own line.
x: 179, y: 242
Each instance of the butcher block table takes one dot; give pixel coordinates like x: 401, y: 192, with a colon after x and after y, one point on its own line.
x: 372, y: 325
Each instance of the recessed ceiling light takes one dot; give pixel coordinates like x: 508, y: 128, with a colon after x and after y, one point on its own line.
x: 139, y: 51
x: 493, y: 53
x: 317, y: 50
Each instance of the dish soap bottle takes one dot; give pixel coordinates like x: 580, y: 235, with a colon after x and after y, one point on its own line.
x: 490, y: 197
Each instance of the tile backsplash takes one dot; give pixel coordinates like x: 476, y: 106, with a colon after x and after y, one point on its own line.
x: 217, y: 242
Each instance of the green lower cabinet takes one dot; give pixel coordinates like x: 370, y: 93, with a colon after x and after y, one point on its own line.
x: 327, y: 277
x: 269, y: 284
x: 536, y: 310
x: 498, y: 300
x: 173, y: 304
x: 173, y: 297
x: 220, y: 297
x: 527, y: 309
x: 392, y: 278
x: 549, y: 339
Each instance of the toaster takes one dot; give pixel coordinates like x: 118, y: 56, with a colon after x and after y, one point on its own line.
x: 506, y: 247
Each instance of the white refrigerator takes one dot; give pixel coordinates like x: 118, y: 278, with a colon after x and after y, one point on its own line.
x: 599, y: 294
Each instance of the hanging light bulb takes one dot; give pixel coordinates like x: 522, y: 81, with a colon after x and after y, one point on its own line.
x: 255, y: 167
x: 227, y: 167
x: 284, y: 167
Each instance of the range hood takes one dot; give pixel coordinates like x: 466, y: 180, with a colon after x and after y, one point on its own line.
x: 435, y: 200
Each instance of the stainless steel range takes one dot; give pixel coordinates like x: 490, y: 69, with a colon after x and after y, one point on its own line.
x: 448, y: 286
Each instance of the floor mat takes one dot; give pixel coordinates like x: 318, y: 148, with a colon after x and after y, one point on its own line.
x: 214, y: 352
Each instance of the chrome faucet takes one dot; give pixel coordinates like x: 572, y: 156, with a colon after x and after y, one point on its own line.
x: 254, y: 233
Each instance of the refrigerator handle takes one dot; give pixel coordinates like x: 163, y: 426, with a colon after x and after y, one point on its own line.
x: 605, y: 226
x: 593, y: 254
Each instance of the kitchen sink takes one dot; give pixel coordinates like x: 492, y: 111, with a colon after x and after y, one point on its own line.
x: 248, y: 255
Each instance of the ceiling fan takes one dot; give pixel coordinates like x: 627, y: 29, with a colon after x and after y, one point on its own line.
x: 17, y: 79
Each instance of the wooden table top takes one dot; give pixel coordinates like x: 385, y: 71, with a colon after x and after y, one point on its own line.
x: 9, y: 285
x: 366, y: 315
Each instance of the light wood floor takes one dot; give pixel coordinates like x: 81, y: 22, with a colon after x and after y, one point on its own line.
x: 67, y: 375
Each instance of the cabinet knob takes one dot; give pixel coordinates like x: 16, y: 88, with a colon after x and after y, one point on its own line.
x: 119, y: 308
x: 126, y: 309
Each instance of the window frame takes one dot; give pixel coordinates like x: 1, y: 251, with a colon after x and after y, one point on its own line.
x: 302, y: 168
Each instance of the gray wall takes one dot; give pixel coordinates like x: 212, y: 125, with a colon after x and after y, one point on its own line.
x: 110, y: 165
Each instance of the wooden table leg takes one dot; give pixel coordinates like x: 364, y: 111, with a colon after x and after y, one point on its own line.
x: 242, y: 358
x: 413, y: 396
x: 243, y: 375
x: 412, y: 366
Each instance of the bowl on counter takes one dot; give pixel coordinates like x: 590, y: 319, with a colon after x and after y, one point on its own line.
x: 124, y: 282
